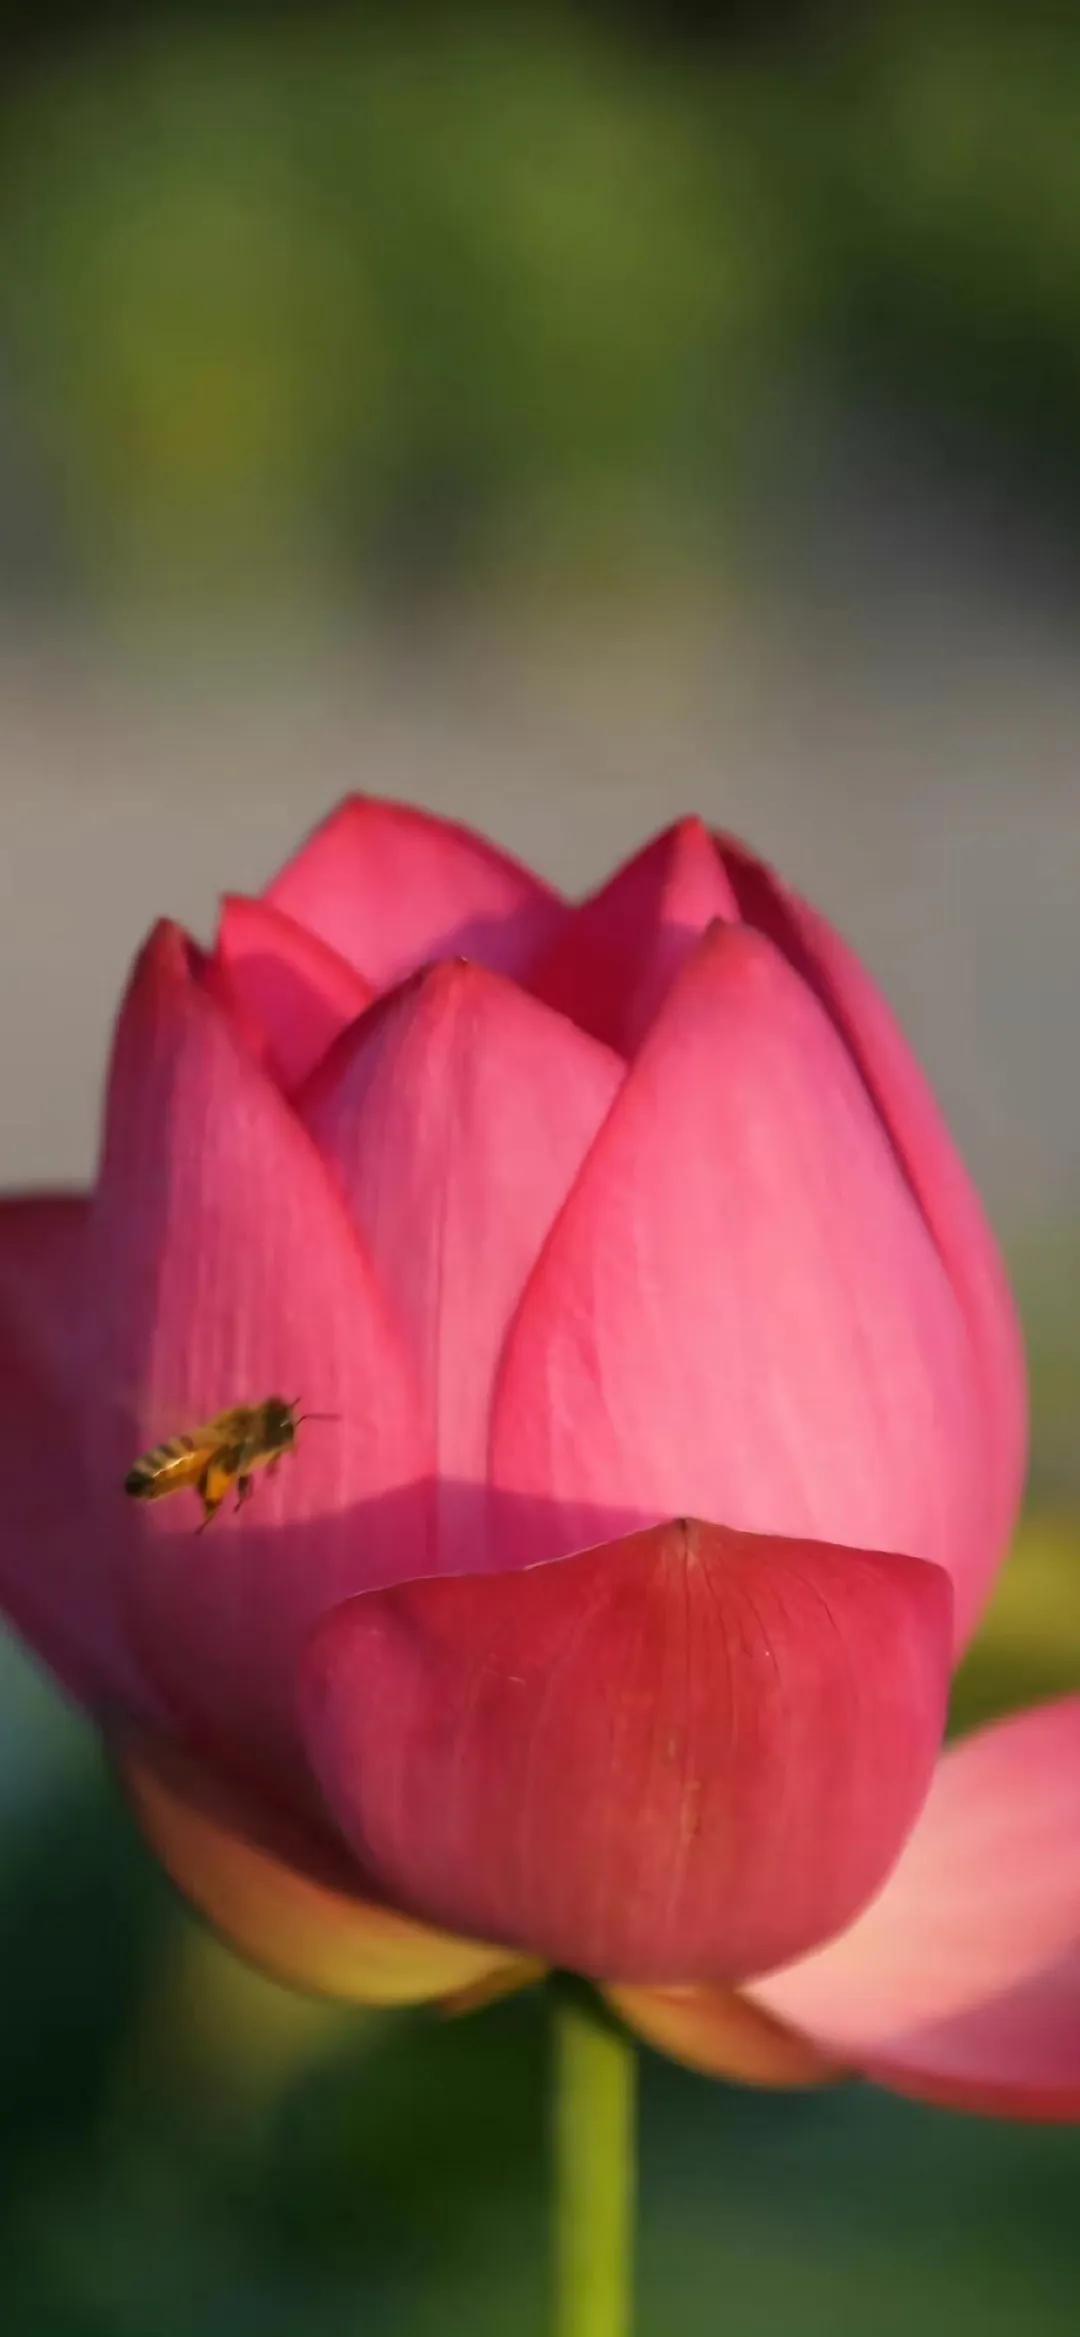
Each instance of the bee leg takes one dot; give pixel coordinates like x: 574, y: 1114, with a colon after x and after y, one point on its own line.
x: 245, y: 1487
x: 210, y: 1508
x: 218, y: 1475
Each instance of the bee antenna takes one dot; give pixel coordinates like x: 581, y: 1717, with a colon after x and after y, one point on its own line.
x: 295, y: 1407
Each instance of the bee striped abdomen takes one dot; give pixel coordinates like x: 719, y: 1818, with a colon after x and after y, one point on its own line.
x: 164, y: 1470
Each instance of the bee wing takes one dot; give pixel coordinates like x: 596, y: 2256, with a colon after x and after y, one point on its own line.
x: 169, y: 1420
x: 180, y: 1450
x: 228, y: 1428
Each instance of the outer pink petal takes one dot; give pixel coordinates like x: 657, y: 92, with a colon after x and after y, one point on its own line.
x: 55, y: 1581
x: 618, y: 954
x: 1016, y: 2058
x: 663, y: 1760
x: 945, y: 1192
x: 224, y: 1268
x: 390, y: 887
x: 295, y: 989
x: 962, y: 1980
x: 456, y: 1117
x: 740, y: 1311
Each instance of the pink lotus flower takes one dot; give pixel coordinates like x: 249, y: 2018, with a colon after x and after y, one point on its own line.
x: 586, y: 1221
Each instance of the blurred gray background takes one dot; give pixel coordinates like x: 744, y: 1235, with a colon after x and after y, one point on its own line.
x: 901, y: 743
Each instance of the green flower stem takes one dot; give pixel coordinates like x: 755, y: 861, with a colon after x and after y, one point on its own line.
x: 595, y: 2085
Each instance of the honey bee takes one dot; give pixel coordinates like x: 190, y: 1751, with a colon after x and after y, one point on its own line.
x: 225, y: 1452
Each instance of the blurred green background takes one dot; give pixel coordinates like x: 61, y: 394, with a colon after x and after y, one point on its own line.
x: 308, y: 302
x: 564, y: 416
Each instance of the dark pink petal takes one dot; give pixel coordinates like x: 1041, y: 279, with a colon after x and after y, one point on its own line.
x: 42, y: 1252
x: 962, y: 1980
x: 663, y: 1760
x: 455, y: 1118
x: 293, y: 987
x: 618, y: 954
x: 56, y: 1584
x: 937, y: 1174
x: 224, y: 1269
x: 390, y: 887
x: 740, y: 1311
